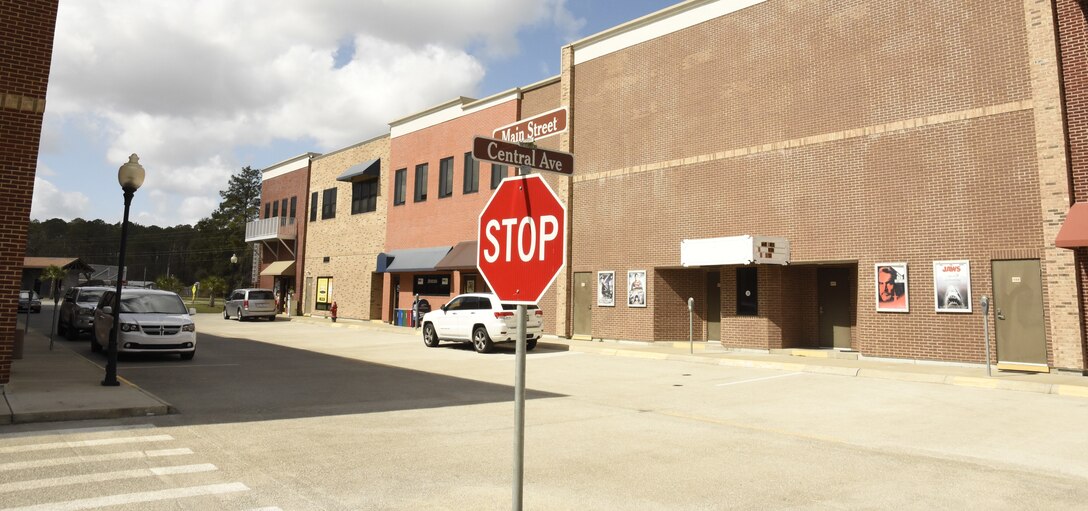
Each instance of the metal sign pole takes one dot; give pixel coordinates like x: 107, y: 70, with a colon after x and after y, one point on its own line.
x: 691, y: 343
x: 519, y: 408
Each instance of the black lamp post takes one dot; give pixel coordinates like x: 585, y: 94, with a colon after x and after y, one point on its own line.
x: 130, y: 176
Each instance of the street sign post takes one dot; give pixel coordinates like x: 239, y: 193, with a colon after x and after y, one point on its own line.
x: 506, y: 153
x: 522, y: 246
x: 535, y: 128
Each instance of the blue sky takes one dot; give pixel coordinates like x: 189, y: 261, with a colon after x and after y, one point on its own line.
x: 202, y: 88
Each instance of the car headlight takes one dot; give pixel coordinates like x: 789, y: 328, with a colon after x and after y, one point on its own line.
x: 189, y: 327
x: 130, y: 327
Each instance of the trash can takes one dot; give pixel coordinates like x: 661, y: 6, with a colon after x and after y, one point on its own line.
x: 17, y: 352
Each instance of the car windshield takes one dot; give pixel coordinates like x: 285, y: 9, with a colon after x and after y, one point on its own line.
x: 89, y: 296
x: 261, y: 295
x: 23, y: 295
x: 147, y: 304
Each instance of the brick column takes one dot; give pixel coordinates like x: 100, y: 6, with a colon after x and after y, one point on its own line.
x: 565, y: 191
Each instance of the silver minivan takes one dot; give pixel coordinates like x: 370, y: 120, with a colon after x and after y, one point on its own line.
x: 250, y: 303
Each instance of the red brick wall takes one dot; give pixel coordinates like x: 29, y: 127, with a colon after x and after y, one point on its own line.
x: 292, y: 184
x: 26, y: 39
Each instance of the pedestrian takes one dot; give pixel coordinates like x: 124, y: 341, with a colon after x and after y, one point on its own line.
x: 415, y: 312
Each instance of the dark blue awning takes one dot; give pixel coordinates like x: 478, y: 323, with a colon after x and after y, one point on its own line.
x: 370, y: 169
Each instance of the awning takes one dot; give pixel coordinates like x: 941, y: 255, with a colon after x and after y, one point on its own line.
x: 280, y: 268
x: 1074, y: 231
x: 365, y: 170
x: 414, y: 259
x: 462, y: 257
x: 732, y: 250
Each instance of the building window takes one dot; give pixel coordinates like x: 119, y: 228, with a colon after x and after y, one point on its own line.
x: 275, y: 208
x: 498, y: 173
x: 445, y: 177
x: 747, y: 291
x: 431, y: 285
x: 328, y: 204
x: 472, y: 174
x: 267, y: 210
x: 401, y: 187
x: 421, y: 182
x: 283, y: 207
x: 313, y: 207
x: 364, y: 196
x: 293, y: 201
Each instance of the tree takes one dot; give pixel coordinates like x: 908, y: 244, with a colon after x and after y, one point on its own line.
x: 169, y: 283
x: 215, y: 286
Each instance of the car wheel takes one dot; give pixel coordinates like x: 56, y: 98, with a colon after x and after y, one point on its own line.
x: 430, y: 337
x: 271, y: 318
x: 225, y: 315
x: 239, y: 317
x: 530, y: 344
x: 481, y: 341
x: 189, y: 355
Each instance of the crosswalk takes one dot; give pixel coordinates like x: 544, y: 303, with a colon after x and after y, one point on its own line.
x: 123, y: 467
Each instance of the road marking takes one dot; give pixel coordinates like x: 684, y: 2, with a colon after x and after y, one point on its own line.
x: 85, y: 443
x: 266, y: 509
x: 757, y: 379
x: 132, y: 498
x: 75, y: 431
x: 105, y: 476
x: 178, y: 366
x: 71, y: 460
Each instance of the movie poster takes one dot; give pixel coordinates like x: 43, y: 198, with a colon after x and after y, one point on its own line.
x: 952, y: 286
x: 606, y: 289
x: 636, y: 288
x: 891, y: 287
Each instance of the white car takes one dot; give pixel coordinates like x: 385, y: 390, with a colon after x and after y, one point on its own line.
x: 481, y: 319
x: 152, y: 321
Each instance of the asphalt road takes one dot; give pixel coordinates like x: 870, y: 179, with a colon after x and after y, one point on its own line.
x: 297, y: 416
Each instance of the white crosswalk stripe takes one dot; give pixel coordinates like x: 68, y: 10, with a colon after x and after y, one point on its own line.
x: 85, y: 443
x: 132, y: 498
x: 104, y: 476
x: 127, y: 455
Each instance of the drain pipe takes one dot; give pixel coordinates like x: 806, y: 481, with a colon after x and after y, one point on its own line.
x: 691, y: 343
x: 986, y: 330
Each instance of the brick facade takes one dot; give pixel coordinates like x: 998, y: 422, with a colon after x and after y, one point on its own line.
x: 351, y: 259
x: 274, y: 190
x: 26, y: 36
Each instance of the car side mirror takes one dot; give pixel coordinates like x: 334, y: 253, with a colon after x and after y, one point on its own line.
x: 444, y: 307
x: 192, y: 311
x: 107, y: 310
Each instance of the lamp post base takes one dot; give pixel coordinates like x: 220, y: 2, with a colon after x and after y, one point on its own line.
x: 111, y: 383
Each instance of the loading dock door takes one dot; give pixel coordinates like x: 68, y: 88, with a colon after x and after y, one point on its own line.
x: 1018, y: 315
x: 834, y: 292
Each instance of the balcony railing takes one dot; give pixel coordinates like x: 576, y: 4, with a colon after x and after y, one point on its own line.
x: 280, y: 227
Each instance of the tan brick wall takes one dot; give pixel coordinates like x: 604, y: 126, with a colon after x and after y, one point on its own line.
x: 351, y: 242
x: 862, y: 131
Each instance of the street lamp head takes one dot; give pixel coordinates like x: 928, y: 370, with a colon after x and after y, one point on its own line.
x: 234, y: 259
x: 131, y: 174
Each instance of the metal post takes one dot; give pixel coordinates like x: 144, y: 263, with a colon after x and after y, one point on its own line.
x: 519, y: 408
x: 53, y: 325
x: 111, y: 352
x: 986, y: 330
x: 691, y: 342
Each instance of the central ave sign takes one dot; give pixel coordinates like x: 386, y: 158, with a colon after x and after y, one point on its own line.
x: 505, y: 153
x: 522, y: 239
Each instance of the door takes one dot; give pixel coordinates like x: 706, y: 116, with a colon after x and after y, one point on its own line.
x: 834, y: 292
x: 583, y: 303
x: 1018, y: 315
x: 714, y: 306
x: 448, y: 325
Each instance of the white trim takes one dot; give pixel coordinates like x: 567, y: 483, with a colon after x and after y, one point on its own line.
x: 448, y: 112
x: 663, y: 22
x: 287, y: 166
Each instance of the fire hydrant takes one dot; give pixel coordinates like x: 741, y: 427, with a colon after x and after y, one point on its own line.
x: 333, y: 311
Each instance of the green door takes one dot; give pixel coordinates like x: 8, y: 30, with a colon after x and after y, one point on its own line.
x: 1018, y: 314
x: 836, y: 288
x: 583, y: 302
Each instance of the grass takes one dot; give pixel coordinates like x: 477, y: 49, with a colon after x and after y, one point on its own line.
x: 202, y: 305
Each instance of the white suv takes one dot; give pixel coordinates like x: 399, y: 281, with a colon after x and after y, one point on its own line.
x: 481, y: 319
x: 152, y: 321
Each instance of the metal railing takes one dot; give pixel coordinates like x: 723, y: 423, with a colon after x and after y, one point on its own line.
x: 280, y: 227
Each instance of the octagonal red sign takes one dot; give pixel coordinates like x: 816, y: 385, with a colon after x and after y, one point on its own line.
x: 521, y: 239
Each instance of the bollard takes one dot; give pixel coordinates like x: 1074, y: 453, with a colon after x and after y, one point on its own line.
x: 986, y: 330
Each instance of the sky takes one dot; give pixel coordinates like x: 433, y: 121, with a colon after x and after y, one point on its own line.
x: 201, y: 88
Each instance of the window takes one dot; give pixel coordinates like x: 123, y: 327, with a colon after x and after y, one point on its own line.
x: 293, y: 201
x: 267, y: 209
x: 458, y: 304
x: 747, y: 296
x: 275, y: 209
x: 328, y: 204
x: 401, y: 187
x: 498, y: 173
x: 313, y: 207
x: 445, y: 177
x: 364, y: 196
x: 283, y: 207
x: 472, y: 174
x: 431, y: 284
x: 421, y: 182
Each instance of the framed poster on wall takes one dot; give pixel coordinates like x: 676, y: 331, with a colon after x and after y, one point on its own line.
x: 891, y: 287
x: 324, y: 293
x: 636, y: 288
x: 606, y: 289
x: 952, y: 286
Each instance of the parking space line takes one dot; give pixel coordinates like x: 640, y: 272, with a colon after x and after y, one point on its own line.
x: 757, y: 379
x: 85, y: 443
x: 177, y: 366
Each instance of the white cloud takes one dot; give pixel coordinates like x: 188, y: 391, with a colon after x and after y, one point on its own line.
x: 49, y: 202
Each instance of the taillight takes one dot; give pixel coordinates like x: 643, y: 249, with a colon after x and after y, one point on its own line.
x: 503, y: 314
x: 245, y: 304
x: 538, y: 313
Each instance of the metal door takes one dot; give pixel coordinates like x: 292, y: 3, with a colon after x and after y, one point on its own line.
x: 714, y: 306
x: 583, y: 303
x: 1018, y: 315
x: 834, y: 292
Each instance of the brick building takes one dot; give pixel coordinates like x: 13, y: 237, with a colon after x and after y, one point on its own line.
x: 346, y: 232
x: 26, y: 35
x: 924, y: 136
x: 279, y: 235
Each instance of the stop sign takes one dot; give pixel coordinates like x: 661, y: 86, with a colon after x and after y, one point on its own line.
x: 522, y: 239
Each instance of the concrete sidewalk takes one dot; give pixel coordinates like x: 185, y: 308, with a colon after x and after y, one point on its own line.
x: 62, y: 385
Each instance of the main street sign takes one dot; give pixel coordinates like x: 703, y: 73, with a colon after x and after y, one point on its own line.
x: 505, y: 153
x: 535, y: 128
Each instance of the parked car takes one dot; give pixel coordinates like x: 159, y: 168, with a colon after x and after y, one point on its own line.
x: 250, y: 303
x: 29, y: 300
x: 77, y: 310
x: 151, y: 321
x: 481, y: 319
